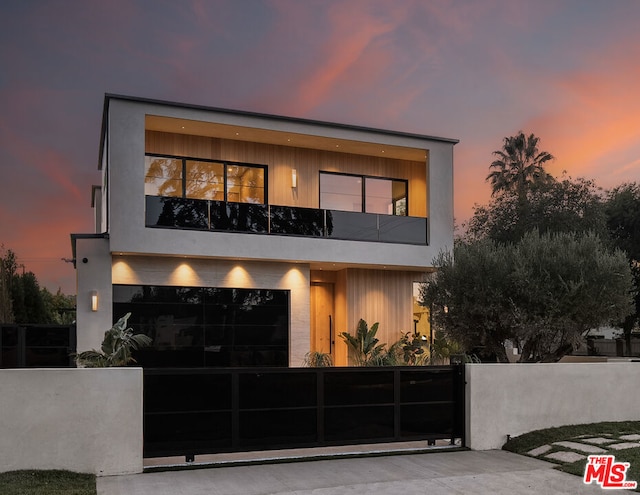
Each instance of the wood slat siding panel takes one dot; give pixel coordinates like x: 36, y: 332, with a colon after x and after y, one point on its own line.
x: 308, y: 163
x: 381, y: 296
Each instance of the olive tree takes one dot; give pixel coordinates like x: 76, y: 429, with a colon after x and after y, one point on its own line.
x: 543, y: 293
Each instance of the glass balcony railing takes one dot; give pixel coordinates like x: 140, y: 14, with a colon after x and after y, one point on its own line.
x: 221, y: 216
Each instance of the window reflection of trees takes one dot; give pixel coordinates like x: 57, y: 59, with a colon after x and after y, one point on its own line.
x: 245, y: 184
x: 163, y: 176
x: 205, y: 180
x: 198, y: 179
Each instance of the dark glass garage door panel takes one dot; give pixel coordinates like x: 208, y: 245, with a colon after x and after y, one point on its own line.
x: 153, y: 357
x: 218, y: 335
x: 260, y: 335
x: 179, y: 213
x: 156, y: 294
x: 232, y: 314
x: 193, y: 327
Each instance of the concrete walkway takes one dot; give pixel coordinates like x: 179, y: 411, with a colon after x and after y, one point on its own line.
x: 437, y: 473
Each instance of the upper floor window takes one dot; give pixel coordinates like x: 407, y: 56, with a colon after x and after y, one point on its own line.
x: 363, y: 194
x: 204, y: 179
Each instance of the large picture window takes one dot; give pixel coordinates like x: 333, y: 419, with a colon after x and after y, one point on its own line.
x: 205, y: 179
x: 363, y: 194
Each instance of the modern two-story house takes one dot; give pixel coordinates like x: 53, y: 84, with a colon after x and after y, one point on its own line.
x: 245, y: 239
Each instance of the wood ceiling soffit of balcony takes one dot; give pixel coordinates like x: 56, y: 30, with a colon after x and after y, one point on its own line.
x: 266, y: 136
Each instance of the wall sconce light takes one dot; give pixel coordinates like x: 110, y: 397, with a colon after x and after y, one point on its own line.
x: 94, y: 300
x: 294, y: 178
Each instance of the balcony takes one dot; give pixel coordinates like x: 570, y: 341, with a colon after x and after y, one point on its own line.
x: 220, y: 216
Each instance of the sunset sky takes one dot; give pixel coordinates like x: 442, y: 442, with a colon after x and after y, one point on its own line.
x: 473, y: 70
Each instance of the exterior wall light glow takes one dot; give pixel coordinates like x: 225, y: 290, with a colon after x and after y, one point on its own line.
x: 294, y: 178
x: 94, y: 300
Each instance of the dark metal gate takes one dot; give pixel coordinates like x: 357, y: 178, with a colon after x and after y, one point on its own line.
x: 205, y: 411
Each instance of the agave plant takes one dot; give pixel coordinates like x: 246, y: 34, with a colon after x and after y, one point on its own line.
x: 363, y: 346
x: 117, y: 347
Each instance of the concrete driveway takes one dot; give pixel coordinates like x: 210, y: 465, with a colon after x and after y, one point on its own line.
x: 438, y: 473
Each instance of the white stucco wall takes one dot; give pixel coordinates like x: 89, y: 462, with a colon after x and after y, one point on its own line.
x: 512, y: 399
x: 82, y: 420
x: 93, y: 275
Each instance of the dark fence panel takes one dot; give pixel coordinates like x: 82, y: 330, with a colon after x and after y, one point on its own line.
x: 37, y: 346
x: 205, y: 411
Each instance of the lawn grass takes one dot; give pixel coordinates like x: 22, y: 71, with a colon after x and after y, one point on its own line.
x: 47, y: 483
x: 529, y: 441
x: 524, y: 443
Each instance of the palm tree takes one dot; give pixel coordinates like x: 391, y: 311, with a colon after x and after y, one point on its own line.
x: 518, y: 166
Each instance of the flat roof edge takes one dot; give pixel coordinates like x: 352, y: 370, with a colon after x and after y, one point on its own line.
x: 110, y: 96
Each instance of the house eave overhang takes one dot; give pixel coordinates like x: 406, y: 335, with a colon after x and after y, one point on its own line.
x: 262, y: 116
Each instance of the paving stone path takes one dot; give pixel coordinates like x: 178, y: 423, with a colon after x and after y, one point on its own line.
x: 577, y: 449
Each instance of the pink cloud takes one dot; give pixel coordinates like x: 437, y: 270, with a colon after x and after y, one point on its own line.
x: 593, y: 126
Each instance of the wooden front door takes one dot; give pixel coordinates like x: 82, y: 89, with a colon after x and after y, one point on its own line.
x: 322, y: 318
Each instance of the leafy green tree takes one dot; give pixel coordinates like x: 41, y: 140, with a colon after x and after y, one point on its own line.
x: 543, y: 293
x: 469, y: 299
x: 23, y: 301
x: 518, y: 166
x: 6, y: 305
x: 622, y: 209
x: 566, y: 285
x: 28, y: 305
x: 565, y: 205
x: 60, y: 309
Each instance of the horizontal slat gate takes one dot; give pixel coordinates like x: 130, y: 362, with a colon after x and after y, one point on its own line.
x: 206, y: 411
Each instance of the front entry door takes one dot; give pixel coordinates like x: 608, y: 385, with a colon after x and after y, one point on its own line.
x: 322, y: 318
